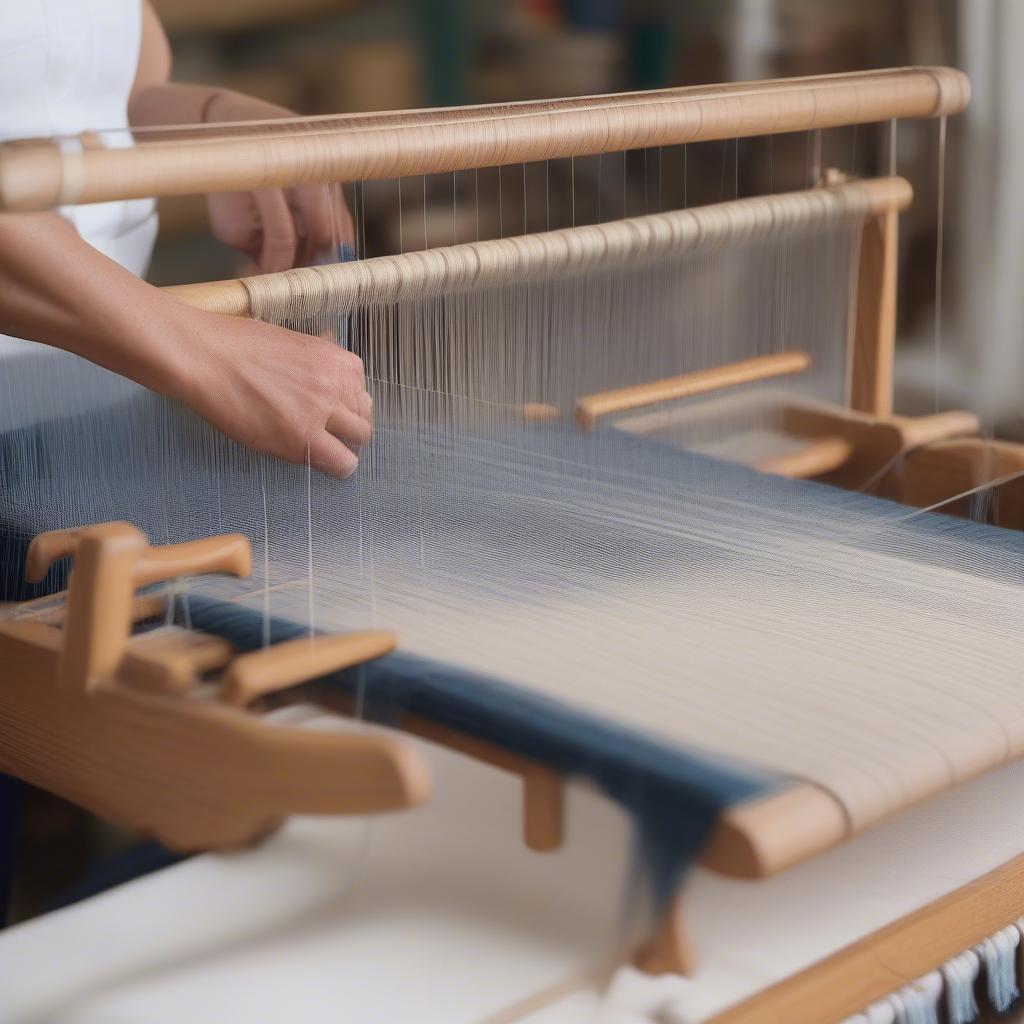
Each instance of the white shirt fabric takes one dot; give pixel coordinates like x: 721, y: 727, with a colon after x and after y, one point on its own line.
x: 66, y: 67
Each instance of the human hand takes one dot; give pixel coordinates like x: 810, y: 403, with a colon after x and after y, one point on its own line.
x: 288, y: 394
x: 276, y: 228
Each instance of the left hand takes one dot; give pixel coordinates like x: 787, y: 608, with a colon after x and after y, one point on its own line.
x: 277, y: 228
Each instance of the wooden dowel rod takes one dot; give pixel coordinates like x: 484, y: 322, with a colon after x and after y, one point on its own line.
x: 385, y: 279
x: 881, y: 963
x: 813, y: 459
x: 42, y: 173
x: 591, y: 408
x: 917, y: 431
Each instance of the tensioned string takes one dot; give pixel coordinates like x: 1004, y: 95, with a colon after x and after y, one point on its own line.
x: 616, y: 571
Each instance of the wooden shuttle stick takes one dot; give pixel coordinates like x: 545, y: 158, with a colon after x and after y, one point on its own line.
x: 591, y: 408
x: 446, y: 269
x: 38, y: 174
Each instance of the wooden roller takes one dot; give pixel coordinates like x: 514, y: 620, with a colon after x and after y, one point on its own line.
x: 541, y: 256
x: 42, y: 173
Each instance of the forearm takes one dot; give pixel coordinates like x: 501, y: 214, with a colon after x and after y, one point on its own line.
x: 300, y: 398
x: 57, y: 289
x: 176, y: 103
x: 171, y: 103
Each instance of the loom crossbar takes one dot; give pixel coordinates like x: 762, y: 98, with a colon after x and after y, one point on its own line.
x: 416, y: 275
x: 39, y: 174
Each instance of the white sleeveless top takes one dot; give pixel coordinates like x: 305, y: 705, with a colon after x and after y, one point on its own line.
x: 67, y: 66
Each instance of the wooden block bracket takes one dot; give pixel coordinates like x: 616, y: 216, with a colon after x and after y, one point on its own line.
x: 103, y: 719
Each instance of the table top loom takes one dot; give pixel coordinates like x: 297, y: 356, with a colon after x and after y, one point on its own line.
x: 165, y: 709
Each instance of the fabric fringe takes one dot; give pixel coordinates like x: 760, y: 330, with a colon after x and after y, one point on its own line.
x: 954, y: 987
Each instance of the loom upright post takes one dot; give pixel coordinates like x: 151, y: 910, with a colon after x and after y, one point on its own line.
x: 874, y: 331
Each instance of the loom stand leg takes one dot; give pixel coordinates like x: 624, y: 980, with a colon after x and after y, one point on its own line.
x: 871, y: 368
x: 670, y: 950
x: 543, y: 809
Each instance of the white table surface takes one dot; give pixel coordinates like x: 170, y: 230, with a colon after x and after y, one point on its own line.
x: 442, y: 915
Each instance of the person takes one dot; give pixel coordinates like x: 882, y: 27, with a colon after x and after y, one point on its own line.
x: 71, y: 279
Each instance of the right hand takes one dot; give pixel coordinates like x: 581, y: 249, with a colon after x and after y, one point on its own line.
x: 276, y: 390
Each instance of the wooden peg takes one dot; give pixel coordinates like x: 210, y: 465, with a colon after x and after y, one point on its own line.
x: 591, y: 408
x: 254, y: 675
x: 539, y: 412
x: 543, y: 808
x: 670, y: 950
x: 916, y: 431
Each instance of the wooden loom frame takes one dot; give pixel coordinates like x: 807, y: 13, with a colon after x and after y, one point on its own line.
x: 751, y: 841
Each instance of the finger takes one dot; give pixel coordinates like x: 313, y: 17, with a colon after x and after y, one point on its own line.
x: 234, y: 220
x: 313, y: 218
x: 277, y: 228
x: 322, y: 219
x: 330, y: 456
x: 349, y: 426
x: 344, y: 226
x: 364, y: 406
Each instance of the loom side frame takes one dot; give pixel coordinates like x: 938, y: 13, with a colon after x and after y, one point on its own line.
x: 886, y: 960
